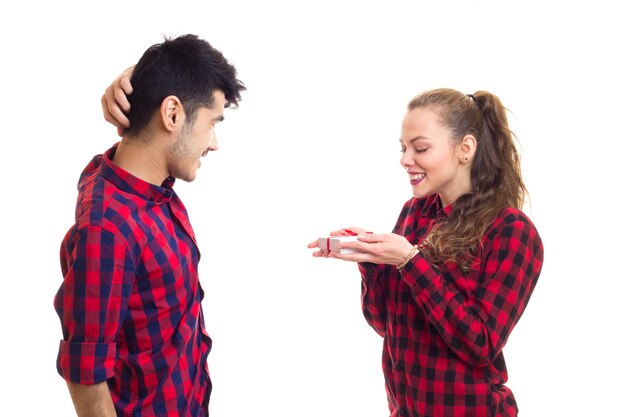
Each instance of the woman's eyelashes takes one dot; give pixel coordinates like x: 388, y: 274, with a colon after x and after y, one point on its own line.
x: 416, y: 150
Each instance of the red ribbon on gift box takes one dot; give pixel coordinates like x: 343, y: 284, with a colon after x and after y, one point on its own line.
x: 347, y: 232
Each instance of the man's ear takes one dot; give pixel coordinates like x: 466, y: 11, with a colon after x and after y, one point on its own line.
x: 172, y: 113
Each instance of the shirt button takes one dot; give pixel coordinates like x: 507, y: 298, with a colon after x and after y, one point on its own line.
x: 403, y: 412
x: 399, y: 366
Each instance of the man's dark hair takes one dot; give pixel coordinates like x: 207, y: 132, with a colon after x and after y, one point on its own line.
x: 187, y: 67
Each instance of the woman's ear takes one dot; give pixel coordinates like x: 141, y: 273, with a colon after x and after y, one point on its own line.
x: 467, y: 148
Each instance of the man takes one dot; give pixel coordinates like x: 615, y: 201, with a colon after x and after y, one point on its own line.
x: 134, y: 342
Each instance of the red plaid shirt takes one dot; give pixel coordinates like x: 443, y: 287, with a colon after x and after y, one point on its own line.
x: 130, y: 302
x: 444, y: 330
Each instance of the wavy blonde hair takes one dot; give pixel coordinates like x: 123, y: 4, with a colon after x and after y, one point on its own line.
x: 495, y: 172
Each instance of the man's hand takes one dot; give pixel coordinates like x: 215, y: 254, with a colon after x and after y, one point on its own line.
x: 115, y: 102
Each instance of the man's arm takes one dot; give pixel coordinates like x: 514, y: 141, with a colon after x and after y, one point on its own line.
x: 92, y: 400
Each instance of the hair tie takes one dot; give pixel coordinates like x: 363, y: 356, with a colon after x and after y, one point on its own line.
x: 473, y: 98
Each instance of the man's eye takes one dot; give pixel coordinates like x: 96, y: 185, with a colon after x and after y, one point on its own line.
x: 421, y: 150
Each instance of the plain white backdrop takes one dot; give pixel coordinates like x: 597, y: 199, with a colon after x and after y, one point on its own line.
x: 312, y: 148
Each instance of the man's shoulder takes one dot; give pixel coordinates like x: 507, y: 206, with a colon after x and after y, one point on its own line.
x: 100, y: 203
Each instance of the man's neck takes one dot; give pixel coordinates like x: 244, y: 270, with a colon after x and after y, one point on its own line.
x: 143, y: 160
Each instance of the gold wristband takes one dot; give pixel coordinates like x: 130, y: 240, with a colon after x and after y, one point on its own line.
x: 410, y: 256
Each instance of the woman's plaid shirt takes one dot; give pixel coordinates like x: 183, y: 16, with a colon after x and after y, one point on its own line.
x: 444, y: 330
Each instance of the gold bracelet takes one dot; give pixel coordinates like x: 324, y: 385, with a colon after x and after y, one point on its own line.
x: 410, y: 256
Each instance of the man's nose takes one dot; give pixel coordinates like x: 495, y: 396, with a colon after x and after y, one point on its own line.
x: 213, y: 146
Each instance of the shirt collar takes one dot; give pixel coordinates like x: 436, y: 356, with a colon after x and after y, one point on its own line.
x: 436, y: 209
x: 131, y: 184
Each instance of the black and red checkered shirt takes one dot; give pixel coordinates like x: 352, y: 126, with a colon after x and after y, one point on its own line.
x: 130, y: 301
x: 444, y: 330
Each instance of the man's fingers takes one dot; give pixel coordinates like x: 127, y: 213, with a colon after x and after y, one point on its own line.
x: 125, y: 84
x: 120, y: 100
x: 107, y: 114
x: 117, y: 113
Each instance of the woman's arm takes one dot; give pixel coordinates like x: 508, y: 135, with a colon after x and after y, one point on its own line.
x: 476, y: 327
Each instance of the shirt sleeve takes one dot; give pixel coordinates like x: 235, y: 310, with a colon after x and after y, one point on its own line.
x: 477, y: 327
x: 98, y: 274
x: 375, y: 281
x: 373, y: 296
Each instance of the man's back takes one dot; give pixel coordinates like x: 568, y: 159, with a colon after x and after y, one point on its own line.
x: 130, y: 303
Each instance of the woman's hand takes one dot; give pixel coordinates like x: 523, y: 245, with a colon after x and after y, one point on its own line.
x: 115, y: 102
x: 349, y: 231
x: 381, y: 248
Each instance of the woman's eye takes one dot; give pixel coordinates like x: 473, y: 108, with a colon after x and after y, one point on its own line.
x: 416, y: 150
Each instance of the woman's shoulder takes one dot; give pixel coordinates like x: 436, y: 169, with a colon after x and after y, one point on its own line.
x: 510, y: 215
x: 511, y: 219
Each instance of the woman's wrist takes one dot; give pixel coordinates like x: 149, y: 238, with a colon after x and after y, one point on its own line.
x: 414, y: 251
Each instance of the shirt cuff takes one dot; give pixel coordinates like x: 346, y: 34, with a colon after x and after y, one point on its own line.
x: 419, y: 275
x: 86, y: 363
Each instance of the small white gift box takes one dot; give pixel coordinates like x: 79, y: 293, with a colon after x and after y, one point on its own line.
x: 329, y: 244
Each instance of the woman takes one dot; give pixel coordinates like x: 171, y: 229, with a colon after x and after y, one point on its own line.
x: 446, y: 288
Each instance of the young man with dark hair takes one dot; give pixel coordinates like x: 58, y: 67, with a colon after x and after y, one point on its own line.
x: 134, y: 342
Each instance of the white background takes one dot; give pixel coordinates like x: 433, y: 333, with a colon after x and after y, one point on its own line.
x: 313, y: 148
